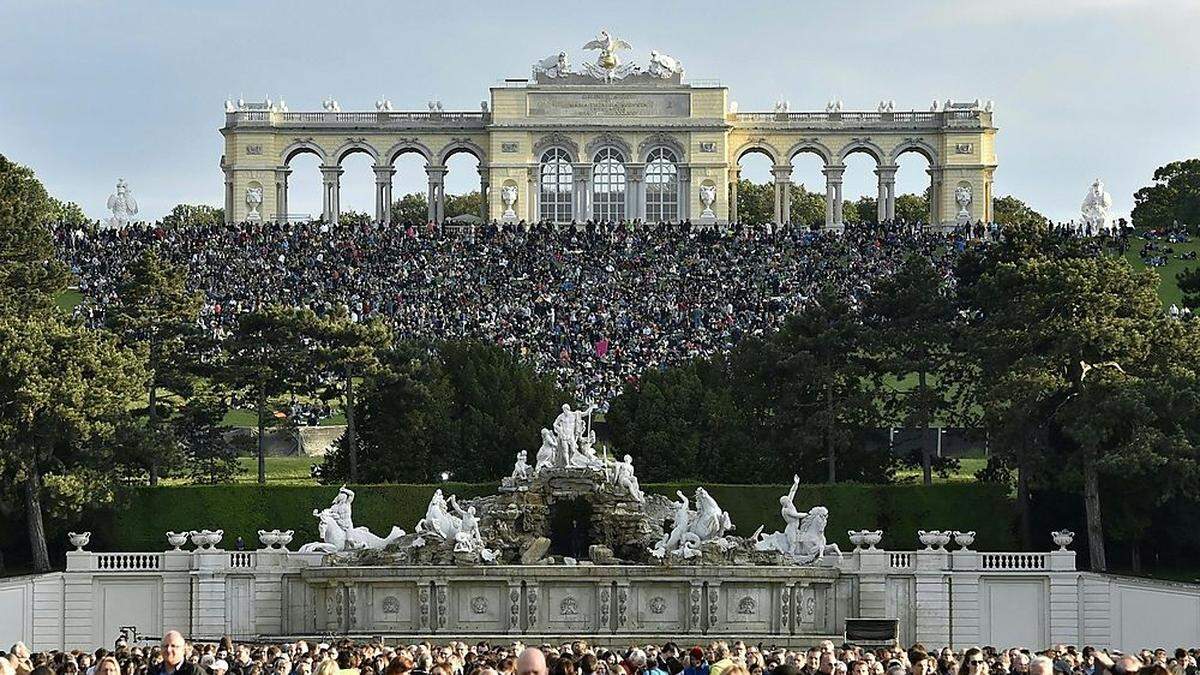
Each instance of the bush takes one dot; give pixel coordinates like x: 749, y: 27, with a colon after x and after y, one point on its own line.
x: 142, y: 515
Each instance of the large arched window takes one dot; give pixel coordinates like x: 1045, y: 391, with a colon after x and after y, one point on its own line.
x: 608, y: 186
x: 662, y: 186
x: 555, y: 186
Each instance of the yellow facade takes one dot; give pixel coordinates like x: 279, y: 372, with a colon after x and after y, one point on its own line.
x: 627, y: 119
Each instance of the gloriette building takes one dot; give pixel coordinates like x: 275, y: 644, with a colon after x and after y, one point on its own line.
x: 609, y: 141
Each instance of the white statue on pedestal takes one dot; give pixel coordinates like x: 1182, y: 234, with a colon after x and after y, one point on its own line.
x: 664, y: 66
x: 708, y: 196
x: 555, y: 65
x: 254, y: 199
x: 962, y: 196
x: 623, y: 476
x: 521, y: 468
x: 1095, y: 209
x: 122, y: 204
x: 508, y: 197
x: 803, y: 538
x: 438, y: 519
x: 545, y: 455
x: 337, y: 530
x: 570, y: 427
x: 708, y: 523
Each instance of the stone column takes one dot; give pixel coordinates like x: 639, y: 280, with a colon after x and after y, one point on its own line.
x: 483, y: 192
x: 833, y: 195
x: 437, y: 192
x: 229, y: 214
x: 635, y: 193
x: 935, y: 195
x: 582, y: 175
x: 735, y: 175
x: 778, y: 202
x: 331, y: 178
x: 886, y: 200
x: 783, y: 187
x: 685, y: 186
x: 531, y: 179
x: 383, y: 193
x: 281, y: 194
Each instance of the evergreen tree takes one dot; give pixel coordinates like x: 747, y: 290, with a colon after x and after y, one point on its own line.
x: 1174, y: 197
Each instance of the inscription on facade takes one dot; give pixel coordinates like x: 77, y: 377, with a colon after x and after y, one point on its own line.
x: 708, y: 146
x: 606, y: 104
x: 254, y: 149
x: 508, y: 146
x: 963, y: 148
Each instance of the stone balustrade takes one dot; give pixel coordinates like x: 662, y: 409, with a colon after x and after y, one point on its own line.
x: 349, y: 120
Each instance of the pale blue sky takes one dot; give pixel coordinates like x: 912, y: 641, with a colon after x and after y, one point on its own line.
x: 90, y: 91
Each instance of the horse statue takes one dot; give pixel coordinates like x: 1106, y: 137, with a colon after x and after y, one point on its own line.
x: 334, y: 539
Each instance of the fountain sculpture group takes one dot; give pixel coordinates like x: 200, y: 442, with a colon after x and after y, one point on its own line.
x: 627, y: 525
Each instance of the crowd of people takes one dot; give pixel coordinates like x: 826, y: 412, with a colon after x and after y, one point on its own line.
x: 595, y: 304
x: 174, y: 656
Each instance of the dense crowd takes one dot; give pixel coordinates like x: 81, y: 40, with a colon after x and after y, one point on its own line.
x: 174, y: 656
x: 595, y: 305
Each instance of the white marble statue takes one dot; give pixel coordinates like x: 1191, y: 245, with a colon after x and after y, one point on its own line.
x: 834, y: 106
x: 708, y: 523
x: 803, y: 538
x: 521, y: 468
x: 782, y: 106
x: 383, y: 105
x: 331, y: 105
x: 962, y: 196
x: 586, y: 457
x: 467, y: 537
x: 438, y: 518
x: 254, y: 199
x: 624, y: 477
x: 570, y: 426
x: 555, y: 65
x: 282, y: 106
x: 608, y: 65
x: 708, y: 195
x: 229, y: 106
x: 337, y: 530
x: 545, y: 456
x: 664, y: 66
x: 1095, y: 209
x: 122, y: 205
x: 508, y: 197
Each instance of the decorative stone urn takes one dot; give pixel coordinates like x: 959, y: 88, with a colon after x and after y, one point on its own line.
x: 206, y: 539
x: 964, y: 539
x: 1062, y: 538
x: 269, y: 538
x: 508, y: 198
x: 871, y: 538
x: 79, y: 539
x: 177, y: 539
x: 856, y: 538
x: 275, y: 539
x: 933, y: 539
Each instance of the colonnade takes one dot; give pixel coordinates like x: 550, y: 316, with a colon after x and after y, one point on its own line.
x: 331, y: 188
x: 834, y: 218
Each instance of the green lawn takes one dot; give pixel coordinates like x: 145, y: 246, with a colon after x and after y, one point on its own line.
x: 1168, y: 289
x: 68, y: 299
x: 280, y: 470
x: 965, y: 474
x: 240, y: 417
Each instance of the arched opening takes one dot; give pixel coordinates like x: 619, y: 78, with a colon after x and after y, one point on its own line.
x: 356, y: 200
x: 913, y: 182
x: 860, y: 187
x: 807, y: 188
x: 755, y: 188
x: 304, y: 185
x: 662, y: 186
x: 554, y: 186
x: 464, y: 196
x: 608, y: 186
x: 410, y: 187
x: 570, y: 527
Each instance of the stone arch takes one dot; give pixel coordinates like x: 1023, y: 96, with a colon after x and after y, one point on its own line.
x: 458, y: 145
x: 813, y: 147
x: 407, y: 145
x: 555, y: 140
x: 862, y: 145
x: 661, y: 140
x: 609, y: 140
x: 300, y: 147
x: 917, y: 145
x: 757, y: 145
x: 352, y: 146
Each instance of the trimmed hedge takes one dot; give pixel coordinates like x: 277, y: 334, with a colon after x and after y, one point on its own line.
x: 143, y: 515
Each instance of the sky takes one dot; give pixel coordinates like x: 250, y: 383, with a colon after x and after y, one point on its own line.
x: 1083, y: 89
